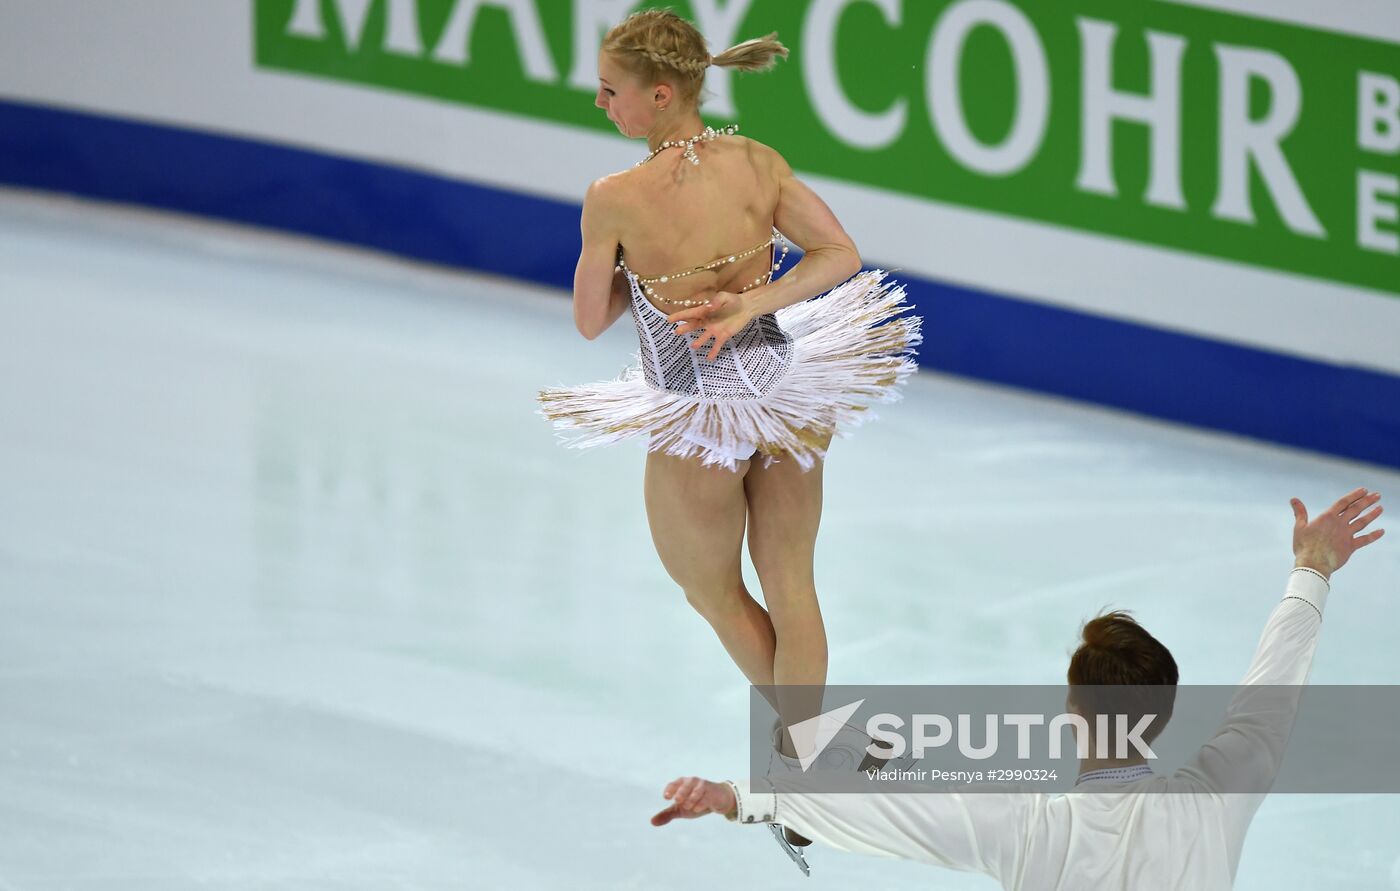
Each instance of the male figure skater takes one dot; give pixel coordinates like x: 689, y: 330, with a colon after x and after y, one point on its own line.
x: 1124, y: 837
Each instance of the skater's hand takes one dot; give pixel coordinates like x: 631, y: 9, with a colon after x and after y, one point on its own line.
x: 1326, y: 543
x: 719, y: 319
x: 693, y: 797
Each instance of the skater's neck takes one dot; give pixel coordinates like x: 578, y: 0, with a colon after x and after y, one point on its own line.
x: 681, y: 127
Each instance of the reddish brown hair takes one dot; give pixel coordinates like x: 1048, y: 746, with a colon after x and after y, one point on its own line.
x: 1116, y: 651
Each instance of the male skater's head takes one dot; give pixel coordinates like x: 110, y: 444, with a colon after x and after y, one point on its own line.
x: 1119, y: 668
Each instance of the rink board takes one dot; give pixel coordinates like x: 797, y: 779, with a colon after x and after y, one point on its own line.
x: 1306, y: 355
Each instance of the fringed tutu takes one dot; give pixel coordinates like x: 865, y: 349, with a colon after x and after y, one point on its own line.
x: 849, y: 349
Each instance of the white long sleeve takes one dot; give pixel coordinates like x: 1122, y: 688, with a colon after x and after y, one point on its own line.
x: 1240, y: 762
x: 1245, y: 753
x: 1106, y: 841
x: 979, y: 831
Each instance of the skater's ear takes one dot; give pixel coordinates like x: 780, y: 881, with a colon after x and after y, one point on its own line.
x: 662, y: 95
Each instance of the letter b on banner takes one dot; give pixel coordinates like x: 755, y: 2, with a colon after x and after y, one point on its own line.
x: 1378, y: 114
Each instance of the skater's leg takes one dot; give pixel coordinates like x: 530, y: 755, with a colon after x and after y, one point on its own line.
x: 697, y: 516
x: 785, y: 506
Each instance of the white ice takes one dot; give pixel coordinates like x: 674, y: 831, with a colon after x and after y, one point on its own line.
x: 296, y: 590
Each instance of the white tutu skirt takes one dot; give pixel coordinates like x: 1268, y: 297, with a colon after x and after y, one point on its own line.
x: 851, y: 348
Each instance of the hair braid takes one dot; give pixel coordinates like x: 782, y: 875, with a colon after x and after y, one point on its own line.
x: 676, y: 60
x: 656, y: 44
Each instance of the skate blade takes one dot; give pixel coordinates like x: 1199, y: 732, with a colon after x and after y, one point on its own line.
x: 792, y: 852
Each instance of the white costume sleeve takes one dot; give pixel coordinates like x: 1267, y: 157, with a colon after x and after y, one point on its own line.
x: 978, y: 831
x: 1245, y: 754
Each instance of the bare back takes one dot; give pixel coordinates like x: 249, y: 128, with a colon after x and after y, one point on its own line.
x: 675, y: 215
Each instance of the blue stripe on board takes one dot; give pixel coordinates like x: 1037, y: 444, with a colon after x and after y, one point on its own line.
x: 1345, y: 411
x: 402, y: 211
x: 1350, y: 412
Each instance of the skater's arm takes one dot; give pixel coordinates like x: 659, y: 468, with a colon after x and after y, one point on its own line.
x: 974, y: 831
x: 1247, y: 750
x: 1245, y: 753
x: 600, y: 292
x: 829, y: 255
x: 980, y: 832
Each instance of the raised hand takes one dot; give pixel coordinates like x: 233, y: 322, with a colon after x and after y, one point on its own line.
x: 720, y: 318
x: 1327, y: 543
x: 693, y: 797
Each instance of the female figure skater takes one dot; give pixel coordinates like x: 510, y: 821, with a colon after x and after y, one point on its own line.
x: 741, y: 380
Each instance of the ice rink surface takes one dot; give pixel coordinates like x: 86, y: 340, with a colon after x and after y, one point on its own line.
x: 296, y: 590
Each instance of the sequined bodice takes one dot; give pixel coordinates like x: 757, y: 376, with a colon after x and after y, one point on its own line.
x: 748, y: 364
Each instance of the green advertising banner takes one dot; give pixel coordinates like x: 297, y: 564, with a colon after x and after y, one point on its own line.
x: 1234, y: 137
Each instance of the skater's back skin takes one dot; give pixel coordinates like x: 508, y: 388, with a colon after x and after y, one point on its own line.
x: 673, y: 216
x: 670, y: 215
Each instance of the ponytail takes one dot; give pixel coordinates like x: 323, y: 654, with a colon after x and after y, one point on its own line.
x: 759, y: 54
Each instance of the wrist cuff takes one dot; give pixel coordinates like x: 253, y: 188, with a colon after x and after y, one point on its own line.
x: 1308, y: 585
x: 754, y: 805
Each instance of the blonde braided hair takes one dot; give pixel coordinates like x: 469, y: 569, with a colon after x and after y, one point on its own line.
x: 657, y: 44
x: 676, y: 61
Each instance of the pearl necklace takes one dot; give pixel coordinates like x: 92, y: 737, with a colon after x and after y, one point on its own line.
x: 705, y: 136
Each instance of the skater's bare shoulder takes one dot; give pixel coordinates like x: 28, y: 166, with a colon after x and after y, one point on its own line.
x: 607, y: 195
x: 768, y: 160
x: 618, y: 196
x: 800, y: 213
